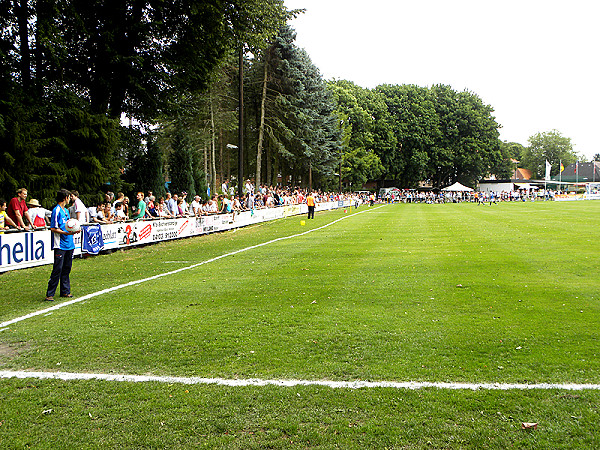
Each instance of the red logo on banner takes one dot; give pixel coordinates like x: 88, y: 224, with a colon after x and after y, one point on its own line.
x: 182, y: 227
x: 128, y: 234
x: 146, y: 231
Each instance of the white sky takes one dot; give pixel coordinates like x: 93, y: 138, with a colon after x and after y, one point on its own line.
x: 534, y: 61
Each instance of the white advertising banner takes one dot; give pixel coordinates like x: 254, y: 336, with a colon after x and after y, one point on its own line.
x: 28, y: 249
x: 19, y: 250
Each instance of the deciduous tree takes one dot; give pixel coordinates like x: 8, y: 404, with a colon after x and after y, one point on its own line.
x: 549, y: 146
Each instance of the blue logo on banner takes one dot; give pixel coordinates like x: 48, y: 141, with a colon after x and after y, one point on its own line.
x: 22, y: 250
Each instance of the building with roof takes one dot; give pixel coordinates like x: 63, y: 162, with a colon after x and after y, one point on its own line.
x: 522, y: 174
x: 580, y: 172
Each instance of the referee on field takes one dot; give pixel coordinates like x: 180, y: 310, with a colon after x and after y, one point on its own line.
x: 310, y: 202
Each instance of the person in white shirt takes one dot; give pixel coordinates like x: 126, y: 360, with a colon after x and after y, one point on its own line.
x: 249, y: 187
x: 81, y: 212
x: 196, y: 206
x: 162, y: 209
x: 38, y: 214
x: 213, y: 207
x: 119, y: 213
x: 92, y: 212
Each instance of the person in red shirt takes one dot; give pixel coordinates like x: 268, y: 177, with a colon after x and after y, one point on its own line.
x: 18, y: 211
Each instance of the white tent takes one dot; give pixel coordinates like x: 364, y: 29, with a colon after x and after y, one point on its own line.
x: 457, y: 187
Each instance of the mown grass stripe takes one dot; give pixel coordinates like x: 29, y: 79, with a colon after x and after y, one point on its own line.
x: 5, y: 324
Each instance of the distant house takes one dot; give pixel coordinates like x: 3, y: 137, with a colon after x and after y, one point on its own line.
x: 495, y: 185
x: 522, y: 174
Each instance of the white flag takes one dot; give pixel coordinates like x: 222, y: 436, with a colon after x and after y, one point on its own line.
x: 548, y: 167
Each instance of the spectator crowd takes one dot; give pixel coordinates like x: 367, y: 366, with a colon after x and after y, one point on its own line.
x: 24, y: 215
x: 21, y: 214
x: 413, y: 196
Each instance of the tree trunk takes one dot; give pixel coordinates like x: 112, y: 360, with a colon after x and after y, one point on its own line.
x: 229, y: 163
x: 220, y: 155
x: 261, y: 129
x: 41, y: 30
x: 205, y: 151
x: 240, y: 178
x: 274, y: 171
x: 213, y: 168
x: 269, y: 159
x: 22, y: 11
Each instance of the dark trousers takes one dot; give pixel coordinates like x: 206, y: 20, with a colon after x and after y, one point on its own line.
x: 63, y: 260
x: 311, y: 212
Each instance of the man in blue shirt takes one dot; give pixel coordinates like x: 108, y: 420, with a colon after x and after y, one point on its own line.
x: 63, y: 246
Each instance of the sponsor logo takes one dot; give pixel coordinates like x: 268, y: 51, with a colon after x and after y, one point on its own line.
x: 146, y: 231
x: 21, y: 248
x: 109, y: 235
x: 182, y: 227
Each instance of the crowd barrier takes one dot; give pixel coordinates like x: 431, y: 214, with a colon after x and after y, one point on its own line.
x: 574, y: 197
x: 29, y: 249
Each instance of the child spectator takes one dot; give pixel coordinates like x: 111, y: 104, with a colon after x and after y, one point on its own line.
x: 99, y: 217
x: 152, y: 210
x: 162, y: 209
x: 184, y: 204
x: 119, y: 214
x: 5, y: 221
x: 109, y: 217
x: 126, y: 207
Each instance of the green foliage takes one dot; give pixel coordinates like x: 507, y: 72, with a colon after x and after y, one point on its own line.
x: 69, y: 70
x: 180, y: 165
x: 145, y: 162
x: 301, y: 130
x: 200, y: 185
x: 360, y: 141
x: 514, y: 150
x: 360, y: 166
x: 86, y: 144
x: 21, y: 137
x: 443, y: 136
x: 415, y: 124
x: 548, y: 146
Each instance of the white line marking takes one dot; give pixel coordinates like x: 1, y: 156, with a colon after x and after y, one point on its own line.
x: 136, y: 282
x: 291, y: 383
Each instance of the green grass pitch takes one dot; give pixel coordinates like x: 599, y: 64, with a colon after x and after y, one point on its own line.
x: 456, y: 293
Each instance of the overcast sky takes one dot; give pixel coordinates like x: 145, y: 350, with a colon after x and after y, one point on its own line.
x: 535, y: 62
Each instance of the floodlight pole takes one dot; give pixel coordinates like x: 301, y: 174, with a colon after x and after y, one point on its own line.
x: 340, y: 190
